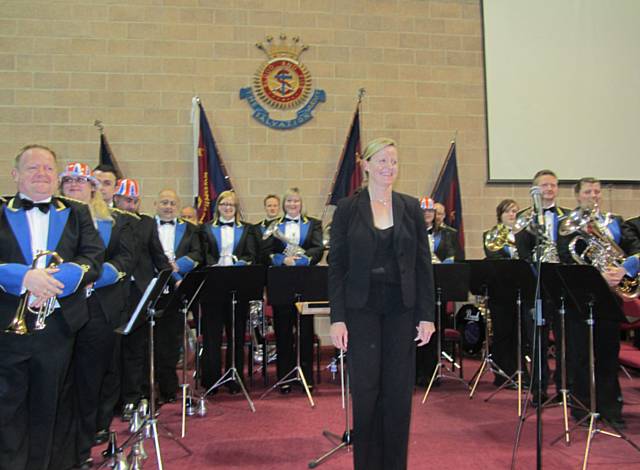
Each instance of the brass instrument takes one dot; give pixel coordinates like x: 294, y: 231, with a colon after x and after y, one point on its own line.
x: 258, y: 329
x: 527, y: 221
x: 600, y: 251
x: 18, y: 325
x: 499, y: 237
x: 326, y: 236
x: 291, y: 249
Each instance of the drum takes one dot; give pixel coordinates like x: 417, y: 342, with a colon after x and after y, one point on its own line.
x: 470, y: 324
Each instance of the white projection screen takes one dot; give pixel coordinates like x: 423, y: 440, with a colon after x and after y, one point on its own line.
x: 562, y: 88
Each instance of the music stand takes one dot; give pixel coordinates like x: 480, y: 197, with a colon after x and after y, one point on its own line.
x: 484, y: 274
x: 451, y: 283
x: 242, y: 284
x: 290, y: 285
x: 182, y: 299
x: 148, y: 304
x: 587, y: 289
x: 509, y: 276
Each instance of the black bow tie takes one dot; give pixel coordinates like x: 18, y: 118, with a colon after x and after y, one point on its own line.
x: 28, y: 205
x: 430, y: 230
x: 225, y: 224
x: 295, y: 221
x: 170, y: 222
x: 550, y: 209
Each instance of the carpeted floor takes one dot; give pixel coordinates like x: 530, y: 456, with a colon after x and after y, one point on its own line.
x: 449, y: 431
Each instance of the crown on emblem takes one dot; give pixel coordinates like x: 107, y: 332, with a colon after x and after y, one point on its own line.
x: 291, y: 49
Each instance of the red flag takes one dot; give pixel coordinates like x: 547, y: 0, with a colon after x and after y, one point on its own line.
x: 349, y: 176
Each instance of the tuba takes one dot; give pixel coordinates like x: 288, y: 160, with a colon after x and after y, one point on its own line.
x: 18, y: 325
x: 291, y: 249
x: 598, y: 249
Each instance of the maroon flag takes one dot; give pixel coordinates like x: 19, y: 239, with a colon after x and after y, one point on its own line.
x: 348, y: 178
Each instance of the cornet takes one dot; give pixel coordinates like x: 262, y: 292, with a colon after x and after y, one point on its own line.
x: 18, y: 325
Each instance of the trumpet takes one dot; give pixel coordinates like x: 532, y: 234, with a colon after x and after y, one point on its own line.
x: 18, y: 325
x: 291, y: 249
x: 599, y: 250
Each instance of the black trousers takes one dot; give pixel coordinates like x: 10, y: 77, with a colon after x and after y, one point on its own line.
x: 284, y: 322
x: 135, y: 366
x: 606, y: 347
x: 215, y: 317
x: 110, y: 392
x: 91, y: 357
x: 381, y: 357
x: 168, y: 338
x: 32, y: 373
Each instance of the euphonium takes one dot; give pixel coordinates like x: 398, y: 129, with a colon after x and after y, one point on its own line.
x: 600, y: 251
x: 527, y: 221
x: 18, y: 325
x: 291, y: 249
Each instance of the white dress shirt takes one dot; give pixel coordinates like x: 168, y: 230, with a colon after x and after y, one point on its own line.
x: 292, y: 231
x: 167, y: 234
x: 227, y: 234
x: 39, y: 230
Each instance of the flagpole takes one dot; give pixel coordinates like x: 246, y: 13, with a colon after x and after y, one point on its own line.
x: 361, y: 93
x: 195, y: 127
x: 97, y: 123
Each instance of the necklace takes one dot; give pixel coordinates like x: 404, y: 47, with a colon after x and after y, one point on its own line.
x: 384, y: 202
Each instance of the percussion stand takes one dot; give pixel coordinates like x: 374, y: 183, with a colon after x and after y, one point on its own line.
x: 246, y: 283
x: 456, y: 277
x: 344, y: 441
x: 587, y: 287
x: 298, y: 284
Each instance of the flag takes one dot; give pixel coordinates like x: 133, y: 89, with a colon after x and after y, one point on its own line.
x: 106, y: 156
x: 446, y: 191
x: 348, y: 178
x: 212, y: 175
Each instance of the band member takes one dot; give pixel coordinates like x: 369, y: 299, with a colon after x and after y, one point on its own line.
x: 609, y: 402
x: 33, y: 366
x: 554, y: 249
x: 181, y: 244
x: 381, y: 292
x: 443, y: 240
x: 228, y: 242
x: 272, y: 211
x: 150, y: 259
x: 500, y: 243
x: 190, y: 214
x: 106, y: 176
x: 631, y: 236
x: 302, y: 246
x: 93, y: 349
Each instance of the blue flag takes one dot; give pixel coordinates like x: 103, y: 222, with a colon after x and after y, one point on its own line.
x: 446, y: 191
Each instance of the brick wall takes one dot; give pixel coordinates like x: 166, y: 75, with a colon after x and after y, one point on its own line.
x: 135, y: 65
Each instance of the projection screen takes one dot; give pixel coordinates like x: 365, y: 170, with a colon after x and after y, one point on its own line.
x: 562, y: 88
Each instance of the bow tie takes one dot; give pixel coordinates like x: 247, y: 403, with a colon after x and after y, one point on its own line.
x: 170, y: 222
x: 430, y: 231
x: 295, y: 221
x: 28, y: 205
x: 550, y: 209
x: 225, y: 224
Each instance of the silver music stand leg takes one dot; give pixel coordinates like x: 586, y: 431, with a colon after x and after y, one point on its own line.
x: 296, y: 374
x: 232, y: 375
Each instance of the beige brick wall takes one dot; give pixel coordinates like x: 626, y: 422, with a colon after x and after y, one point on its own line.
x: 136, y: 64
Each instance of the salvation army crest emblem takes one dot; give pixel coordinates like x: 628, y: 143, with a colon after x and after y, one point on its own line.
x: 282, y: 83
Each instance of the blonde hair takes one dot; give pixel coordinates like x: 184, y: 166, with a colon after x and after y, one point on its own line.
x: 371, y: 149
x: 226, y: 195
x: 293, y: 192
x: 98, y: 208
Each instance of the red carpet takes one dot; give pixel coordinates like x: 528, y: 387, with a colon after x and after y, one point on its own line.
x: 449, y: 431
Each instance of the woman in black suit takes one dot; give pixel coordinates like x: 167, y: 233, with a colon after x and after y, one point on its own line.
x: 305, y: 232
x: 228, y: 242
x: 381, y: 292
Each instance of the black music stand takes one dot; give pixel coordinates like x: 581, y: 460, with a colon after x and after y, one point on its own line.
x: 506, y: 276
x: 587, y: 289
x: 182, y: 299
x: 242, y: 284
x: 451, y: 282
x: 290, y: 285
x: 148, y: 306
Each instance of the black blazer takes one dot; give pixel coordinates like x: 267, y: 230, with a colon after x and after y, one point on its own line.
x: 353, y: 245
x: 246, y: 248
x: 78, y: 243
x: 631, y: 236
x: 150, y: 257
x: 120, y: 254
x: 448, y: 246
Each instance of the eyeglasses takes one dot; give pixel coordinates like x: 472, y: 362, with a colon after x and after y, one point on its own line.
x: 226, y: 204
x: 74, y: 179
